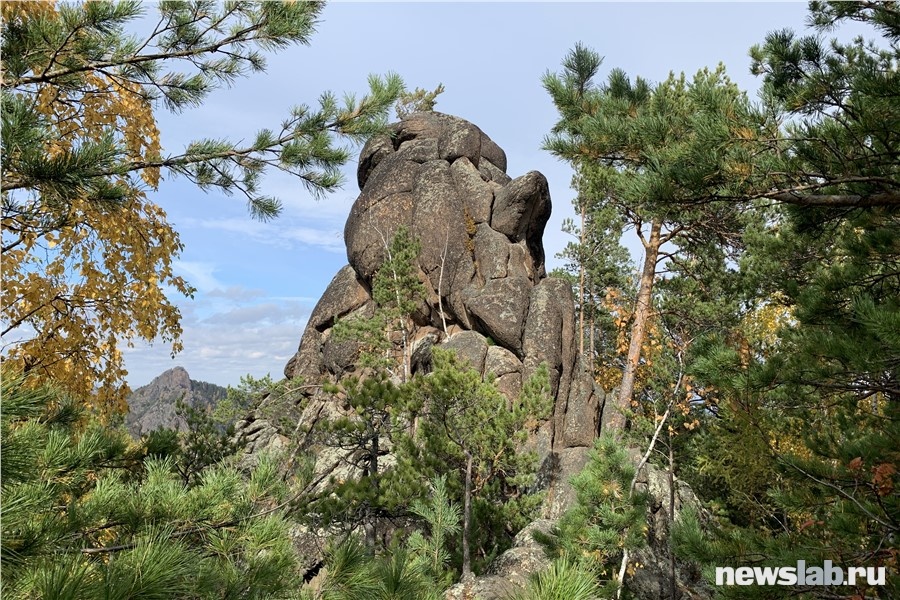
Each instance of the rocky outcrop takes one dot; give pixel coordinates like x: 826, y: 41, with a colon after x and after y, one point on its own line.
x: 488, y: 299
x: 482, y: 265
x: 153, y: 406
x: 652, y: 580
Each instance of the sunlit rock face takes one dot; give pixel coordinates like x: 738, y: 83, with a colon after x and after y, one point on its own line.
x: 482, y: 263
x: 488, y: 299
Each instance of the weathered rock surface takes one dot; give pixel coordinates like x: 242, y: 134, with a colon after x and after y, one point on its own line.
x: 509, y: 573
x: 488, y: 299
x: 482, y: 263
x: 653, y: 580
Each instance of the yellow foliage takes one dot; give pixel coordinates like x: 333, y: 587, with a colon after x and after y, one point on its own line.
x: 761, y: 326
x: 105, y: 103
x: 19, y: 10
x: 80, y: 277
x: 71, y: 295
x: 609, y: 375
x: 789, y: 440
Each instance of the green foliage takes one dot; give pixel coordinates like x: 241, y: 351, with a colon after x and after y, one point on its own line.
x: 87, y: 256
x: 459, y: 412
x: 443, y: 520
x: 466, y: 427
x: 836, y: 110
x: 86, y: 516
x: 396, y: 287
x: 205, y: 441
x: 208, y: 433
x: 652, y: 159
x: 368, y: 492
x: 802, y: 452
x: 354, y: 574
x: 419, y: 100
x: 781, y: 284
x: 562, y: 580
x: 216, y: 45
x: 398, y: 293
x: 595, y: 264
x: 607, y: 519
x: 245, y: 396
x: 376, y: 420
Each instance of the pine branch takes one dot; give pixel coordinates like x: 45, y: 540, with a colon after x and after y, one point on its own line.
x: 849, y: 497
x: 235, y: 38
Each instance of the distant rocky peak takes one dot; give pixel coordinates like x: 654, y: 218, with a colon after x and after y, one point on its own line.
x: 176, y: 377
x: 153, y: 405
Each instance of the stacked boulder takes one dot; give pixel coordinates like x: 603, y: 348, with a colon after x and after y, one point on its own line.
x: 488, y: 298
x: 483, y: 269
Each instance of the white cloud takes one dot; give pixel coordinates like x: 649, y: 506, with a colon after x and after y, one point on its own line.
x: 199, y: 274
x: 261, y: 314
x: 329, y: 240
x: 236, y: 293
x: 285, y: 232
x: 219, y: 353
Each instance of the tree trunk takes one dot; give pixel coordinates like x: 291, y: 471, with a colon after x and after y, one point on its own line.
x: 638, y: 326
x: 467, y: 520
x: 371, y: 534
x: 581, y: 302
x: 673, y: 586
x: 592, y: 349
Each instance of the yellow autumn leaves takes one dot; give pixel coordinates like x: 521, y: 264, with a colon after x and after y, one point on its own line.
x: 72, y: 295
x: 22, y: 10
x: 609, y: 374
x: 84, y: 275
x: 105, y: 102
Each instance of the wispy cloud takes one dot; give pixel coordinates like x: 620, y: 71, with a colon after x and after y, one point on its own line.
x: 236, y: 293
x: 255, y: 336
x: 261, y: 314
x: 285, y: 233
x: 330, y: 240
x: 199, y: 274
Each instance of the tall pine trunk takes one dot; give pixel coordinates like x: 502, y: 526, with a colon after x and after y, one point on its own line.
x: 673, y: 582
x: 369, y: 527
x: 467, y: 520
x: 581, y: 294
x: 638, y: 325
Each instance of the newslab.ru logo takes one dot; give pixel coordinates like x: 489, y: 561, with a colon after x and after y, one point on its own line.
x: 827, y: 574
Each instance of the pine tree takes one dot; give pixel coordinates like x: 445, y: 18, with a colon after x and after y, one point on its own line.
x: 608, y: 519
x: 86, y: 515
x: 376, y: 419
x: 370, y: 493
x: 467, y: 428
x: 443, y: 520
x: 642, y: 154
x: 598, y: 265
x: 562, y: 580
x: 398, y: 293
x: 818, y: 401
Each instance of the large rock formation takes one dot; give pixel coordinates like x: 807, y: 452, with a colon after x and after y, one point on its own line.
x: 153, y: 405
x: 488, y: 299
x: 482, y: 263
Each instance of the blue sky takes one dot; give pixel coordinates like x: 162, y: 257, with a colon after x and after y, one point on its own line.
x: 257, y: 282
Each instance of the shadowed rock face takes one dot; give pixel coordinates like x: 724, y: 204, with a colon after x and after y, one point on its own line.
x: 482, y: 263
